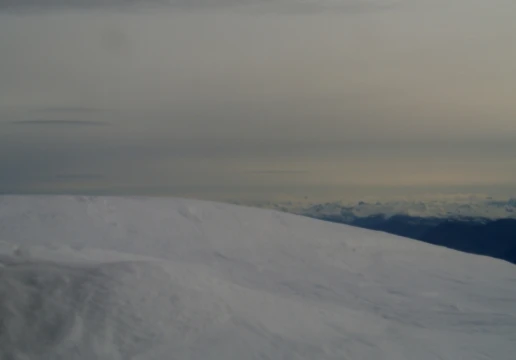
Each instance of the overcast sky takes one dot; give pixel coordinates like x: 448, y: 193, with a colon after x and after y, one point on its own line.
x: 237, y: 98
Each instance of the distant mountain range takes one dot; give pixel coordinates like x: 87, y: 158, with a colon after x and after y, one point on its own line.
x: 478, y: 226
x: 495, y: 238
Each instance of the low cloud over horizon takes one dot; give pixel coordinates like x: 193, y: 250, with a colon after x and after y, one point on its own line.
x: 286, y: 96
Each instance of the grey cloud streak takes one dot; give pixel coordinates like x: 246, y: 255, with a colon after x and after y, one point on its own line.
x: 71, y: 110
x: 352, y: 6
x: 78, y: 177
x: 53, y: 122
x: 277, y: 172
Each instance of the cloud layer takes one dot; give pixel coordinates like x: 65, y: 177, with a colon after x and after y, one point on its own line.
x: 53, y: 122
x: 352, y: 6
x: 220, y: 101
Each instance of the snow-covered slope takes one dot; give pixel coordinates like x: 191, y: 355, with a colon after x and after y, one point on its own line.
x: 140, y: 278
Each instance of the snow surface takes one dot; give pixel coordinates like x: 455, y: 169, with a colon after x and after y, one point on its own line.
x: 151, y: 278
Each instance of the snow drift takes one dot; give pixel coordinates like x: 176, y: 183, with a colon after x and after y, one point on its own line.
x: 142, y: 278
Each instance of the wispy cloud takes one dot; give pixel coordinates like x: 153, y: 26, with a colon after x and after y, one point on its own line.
x: 77, y: 177
x: 54, y: 4
x: 278, y: 5
x: 69, y: 110
x: 277, y: 172
x: 54, y: 122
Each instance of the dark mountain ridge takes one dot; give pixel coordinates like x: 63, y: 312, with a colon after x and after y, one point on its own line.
x: 495, y: 238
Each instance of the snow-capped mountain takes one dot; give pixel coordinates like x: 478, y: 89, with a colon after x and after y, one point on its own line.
x: 156, y: 278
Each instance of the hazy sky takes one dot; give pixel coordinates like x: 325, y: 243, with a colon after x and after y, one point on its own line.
x: 238, y: 98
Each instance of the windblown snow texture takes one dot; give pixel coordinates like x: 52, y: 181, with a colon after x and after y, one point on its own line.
x: 140, y: 278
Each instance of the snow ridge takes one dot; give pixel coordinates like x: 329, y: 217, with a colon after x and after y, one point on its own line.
x: 144, y: 278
